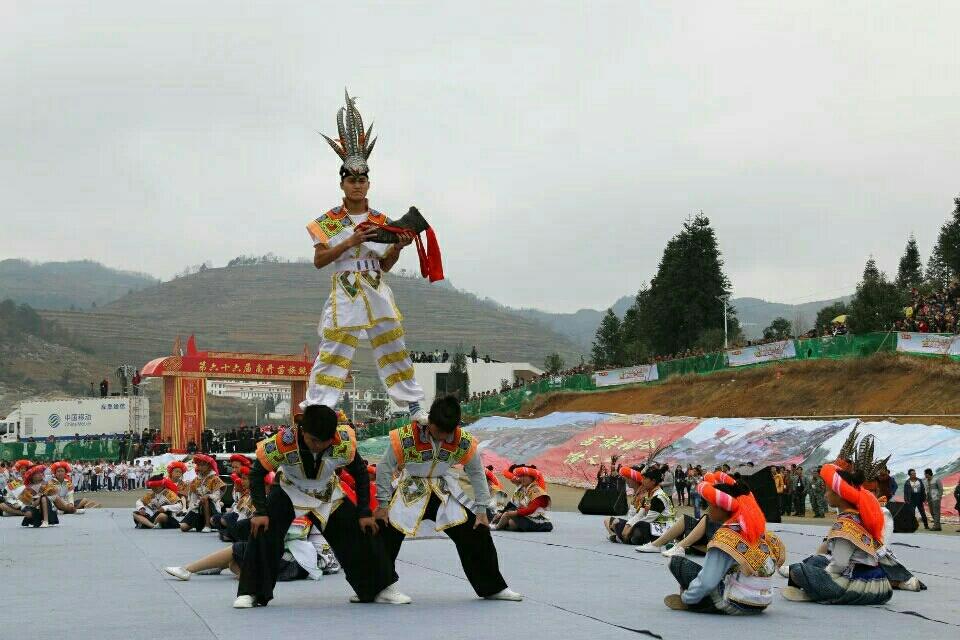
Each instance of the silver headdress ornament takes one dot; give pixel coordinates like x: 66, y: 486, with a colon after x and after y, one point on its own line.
x: 354, y: 145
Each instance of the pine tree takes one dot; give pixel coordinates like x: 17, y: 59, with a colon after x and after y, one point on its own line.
x: 458, y: 380
x: 554, y: 364
x: 877, y: 303
x: 910, y: 271
x: 607, y: 345
x: 683, y: 302
x: 948, y: 247
x: 826, y: 315
x: 635, y: 330
x: 938, y: 273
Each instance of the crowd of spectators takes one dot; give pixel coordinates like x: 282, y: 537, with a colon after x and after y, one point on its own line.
x: 438, y: 356
x: 937, y: 312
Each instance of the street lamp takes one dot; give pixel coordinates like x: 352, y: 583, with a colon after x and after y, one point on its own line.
x: 724, y: 299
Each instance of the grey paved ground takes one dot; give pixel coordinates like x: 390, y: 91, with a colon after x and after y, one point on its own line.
x: 97, y: 577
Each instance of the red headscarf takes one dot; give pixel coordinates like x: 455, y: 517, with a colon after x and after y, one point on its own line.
x: 744, y: 510
x: 22, y: 464
x: 176, y: 464
x: 508, y: 475
x: 863, y: 498
x: 631, y: 474
x: 239, y: 476
x: 200, y: 457
x: 531, y: 472
x: 62, y: 464
x: 242, y: 459
x: 166, y: 483
x: 32, y: 471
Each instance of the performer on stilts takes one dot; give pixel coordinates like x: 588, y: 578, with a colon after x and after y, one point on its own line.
x: 306, y: 459
x: 425, y: 455
x: 742, y: 556
x: 361, y: 301
x: 847, y: 567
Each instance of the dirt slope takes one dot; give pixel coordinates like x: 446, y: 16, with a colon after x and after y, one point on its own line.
x: 882, y: 384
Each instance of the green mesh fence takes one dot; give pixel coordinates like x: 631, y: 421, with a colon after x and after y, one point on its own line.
x: 847, y: 346
x: 61, y: 450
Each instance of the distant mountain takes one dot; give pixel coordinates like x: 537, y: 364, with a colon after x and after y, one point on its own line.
x: 754, y: 315
x: 275, y: 308
x: 62, y: 285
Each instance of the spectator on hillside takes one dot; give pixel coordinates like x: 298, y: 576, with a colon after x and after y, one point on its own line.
x: 136, y: 382
x: 445, y: 357
x: 473, y: 354
x: 104, y: 388
x: 914, y: 495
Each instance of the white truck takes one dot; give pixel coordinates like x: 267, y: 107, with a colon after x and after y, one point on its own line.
x: 66, y: 418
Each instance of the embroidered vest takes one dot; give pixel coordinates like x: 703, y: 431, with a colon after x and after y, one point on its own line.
x: 848, y: 527
x: 414, y: 451
x: 668, y: 515
x: 320, y: 493
x: 335, y: 226
x: 749, y: 581
x: 531, y: 493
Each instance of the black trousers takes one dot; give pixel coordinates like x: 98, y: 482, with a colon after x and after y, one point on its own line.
x: 364, y: 558
x: 478, y: 555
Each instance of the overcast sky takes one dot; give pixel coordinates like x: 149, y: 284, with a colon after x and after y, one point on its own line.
x: 555, y: 149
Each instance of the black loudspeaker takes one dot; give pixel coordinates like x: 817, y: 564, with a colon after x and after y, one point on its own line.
x: 904, y: 518
x: 600, y: 502
x: 760, y: 481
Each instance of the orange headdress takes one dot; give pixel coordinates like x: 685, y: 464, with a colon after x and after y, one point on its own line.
x: 744, y: 509
x: 531, y: 472
x: 203, y: 458
x: 20, y: 465
x: 631, y: 474
x: 508, y: 474
x: 492, y: 479
x: 861, y: 497
x: 176, y: 464
x: 32, y: 471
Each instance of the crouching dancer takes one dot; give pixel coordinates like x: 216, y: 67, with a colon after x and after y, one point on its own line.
x: 306, y: 459
x: 425, y: 455
x: 742, y: 557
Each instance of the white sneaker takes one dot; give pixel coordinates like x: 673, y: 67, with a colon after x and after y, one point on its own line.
x: 355, y: 599
x: 205, y: 530
x: 784, y: 570
x: 243, y: 602
x: 44, y: 525
x: 675, y: 550
x: 178, y: 572
x: 647, y: 548
x: 506, y: 594
x: 392, y: 595
x: 912, y: 584
x: 81, y: 511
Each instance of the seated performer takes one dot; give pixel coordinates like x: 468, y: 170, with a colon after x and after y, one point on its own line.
x: 531, y: 515
x: 695, y: 534
x: 10, y: 504
x: 175, y: 471
x: 846, y: 569
x: 37, y: 499
x: 234, y: 525
x: 64, y: 499
x: 306, y: 555
x: 158, y: 508
x: 498, y: 497
x: 736, y: 576
x: 306, y: 459
x: 203, y: 498
x: 651, y: 512
x: 428, y: 490
x: 239, y: 461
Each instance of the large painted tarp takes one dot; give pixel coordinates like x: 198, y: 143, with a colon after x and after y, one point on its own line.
x: 570, y: 447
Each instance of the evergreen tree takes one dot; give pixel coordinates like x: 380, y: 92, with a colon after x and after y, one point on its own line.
x: 553, y: 365
x: 607, y: 343
x: 947, y: 250
x: 779, y: 329
x: 635, y: 330
x: 938, y: 273
x: 458, y: 380
x: 910, y: 271
x: 877, y: 303
x: 683, y: 296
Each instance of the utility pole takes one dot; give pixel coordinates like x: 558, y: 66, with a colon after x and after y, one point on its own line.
x: 724, y: 300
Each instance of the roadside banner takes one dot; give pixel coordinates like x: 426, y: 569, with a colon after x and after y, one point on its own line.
x: 627, y: 375
x: 929, y: 343
x: 783, y: 350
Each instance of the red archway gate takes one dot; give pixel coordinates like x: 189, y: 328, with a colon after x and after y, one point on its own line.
x: 185, y: 384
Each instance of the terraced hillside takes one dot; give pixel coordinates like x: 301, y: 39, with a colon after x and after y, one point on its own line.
x: 276, y: 307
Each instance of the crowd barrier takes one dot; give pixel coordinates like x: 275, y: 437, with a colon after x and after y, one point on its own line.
x: 61, y: 450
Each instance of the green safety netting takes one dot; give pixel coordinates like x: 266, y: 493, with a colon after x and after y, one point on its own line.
x: 61, y: 450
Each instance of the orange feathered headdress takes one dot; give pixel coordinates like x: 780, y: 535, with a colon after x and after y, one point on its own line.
x: 866, y: 503
x: 508, y: 475
x: 719, y: 477
x: 744, y: 509
x: 531, y: 472
x: 492, y: 479
x: 631, y: 474
x: 32, y: 471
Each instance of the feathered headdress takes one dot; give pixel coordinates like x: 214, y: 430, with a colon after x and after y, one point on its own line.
x: 354, y: 145
x: 845, y: 457
x: 864, y: 462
